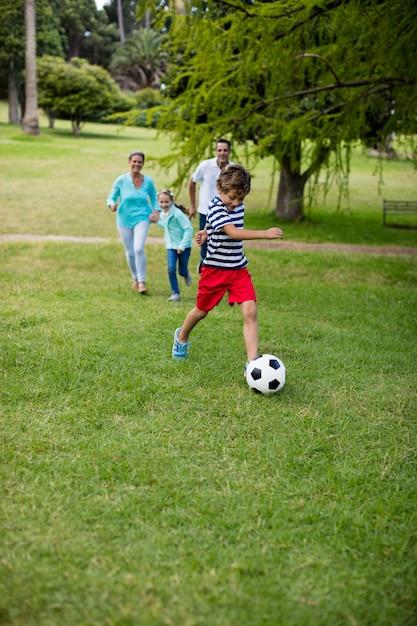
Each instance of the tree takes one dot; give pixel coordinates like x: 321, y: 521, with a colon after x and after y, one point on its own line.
x: 76, y: 90
x: 120, y: 21
x: 12, y: 55
x: 30, y: 122
x: 77, y: 18
x: 99, y: 44
x: 123, y: 14
x: 140, y: 61
x: 12, y: 49
x: 291, y: 80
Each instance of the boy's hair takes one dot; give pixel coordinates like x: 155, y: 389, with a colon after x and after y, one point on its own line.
x: 234, y: 176
x: 171, y: 195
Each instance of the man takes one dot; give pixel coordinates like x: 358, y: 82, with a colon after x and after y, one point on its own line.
x: 206, y: 174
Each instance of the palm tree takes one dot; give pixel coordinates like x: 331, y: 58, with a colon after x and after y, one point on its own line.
x: 140, y: 61
x: 120, y: 21
x: 30, y: 122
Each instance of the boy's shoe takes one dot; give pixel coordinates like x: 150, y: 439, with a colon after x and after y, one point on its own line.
x: 179, y: 350
x: 174, y: 297
x: 188, y: 279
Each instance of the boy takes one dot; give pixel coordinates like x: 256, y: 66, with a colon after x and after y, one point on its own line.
x: 224, y: 267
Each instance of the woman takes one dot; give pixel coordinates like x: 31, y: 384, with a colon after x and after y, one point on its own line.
x: 133, y: 196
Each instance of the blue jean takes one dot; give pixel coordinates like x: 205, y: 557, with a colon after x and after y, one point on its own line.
x: 172, y: 258
x: 203, y: 248
x: 133, y: 240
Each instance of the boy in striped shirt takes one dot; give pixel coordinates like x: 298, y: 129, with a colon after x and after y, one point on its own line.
x: 224, y: 267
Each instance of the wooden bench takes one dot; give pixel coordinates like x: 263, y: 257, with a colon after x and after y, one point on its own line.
x: 400, y: 207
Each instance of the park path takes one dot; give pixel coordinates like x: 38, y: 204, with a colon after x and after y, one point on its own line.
x: 264, y: 244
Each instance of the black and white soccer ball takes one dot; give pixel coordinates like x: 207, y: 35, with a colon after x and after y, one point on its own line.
x: 266, y: 374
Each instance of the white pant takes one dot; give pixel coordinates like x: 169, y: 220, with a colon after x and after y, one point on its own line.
x: 133, y: 240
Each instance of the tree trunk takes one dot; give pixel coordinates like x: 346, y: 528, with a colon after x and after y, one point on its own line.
x: 13, y: 100
x: 120, y: 20
x: 290, y: 200
x: 30, y: 122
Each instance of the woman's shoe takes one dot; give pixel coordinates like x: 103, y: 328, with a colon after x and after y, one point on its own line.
x: 142, y: 288
x: 135, y: 285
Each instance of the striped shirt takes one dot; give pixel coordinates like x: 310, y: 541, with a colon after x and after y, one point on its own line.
x: 222, y: 251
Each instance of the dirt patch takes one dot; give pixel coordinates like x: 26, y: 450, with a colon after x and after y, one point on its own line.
x: 264, y: 244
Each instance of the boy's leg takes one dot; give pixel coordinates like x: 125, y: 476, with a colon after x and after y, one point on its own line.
x: 192, y: 319
x: 180, y: 345
x: 250, y: 328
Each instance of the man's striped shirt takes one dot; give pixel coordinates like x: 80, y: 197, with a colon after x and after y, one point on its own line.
x: 222, y: 252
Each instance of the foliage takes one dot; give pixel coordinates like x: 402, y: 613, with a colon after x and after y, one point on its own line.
x: 56, y: 161
x: 12, y: 41
x: 143, y: 111
x: 128, y: 12
x: 76, y: 89
x: 139, y: 491
x: 301, y: 81
x: 76, y: 18
x: 140, y: 61
x: 63, y: 28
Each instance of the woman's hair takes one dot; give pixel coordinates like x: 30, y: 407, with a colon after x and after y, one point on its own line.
x: 234, y: 176
x: 137, y: 153
x: 171, y: 195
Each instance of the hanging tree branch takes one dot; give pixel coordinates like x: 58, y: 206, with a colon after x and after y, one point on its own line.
x: 375, y: 86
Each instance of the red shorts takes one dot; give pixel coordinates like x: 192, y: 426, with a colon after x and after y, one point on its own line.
x: 214, y: 283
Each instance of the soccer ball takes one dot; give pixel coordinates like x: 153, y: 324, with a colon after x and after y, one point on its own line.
x: 266, y: 374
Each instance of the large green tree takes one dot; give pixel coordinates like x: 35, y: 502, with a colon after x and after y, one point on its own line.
x: 77, y: 18
x: 12, y: 49
x: 299, y: 81
x: 76, y: 90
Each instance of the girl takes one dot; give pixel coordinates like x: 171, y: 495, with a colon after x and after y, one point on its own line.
x: 178, y: 239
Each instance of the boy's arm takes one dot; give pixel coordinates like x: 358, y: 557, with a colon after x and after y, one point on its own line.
x: 201, y: 237
x: 243, y: 234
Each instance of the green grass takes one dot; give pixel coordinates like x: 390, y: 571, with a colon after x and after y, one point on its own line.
x: 141, y: 491
x: 137, y: 490
x: 57, y: 184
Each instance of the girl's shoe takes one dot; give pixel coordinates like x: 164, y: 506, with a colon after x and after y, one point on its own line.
x: 188, y: 279
x: 174, y: 297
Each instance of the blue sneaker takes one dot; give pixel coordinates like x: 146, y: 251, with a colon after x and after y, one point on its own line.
x: 179, y: 350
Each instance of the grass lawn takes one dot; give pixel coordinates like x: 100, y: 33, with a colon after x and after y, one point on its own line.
x: 57, y: 184
x: 137, y: 490
x: 141, y: 491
